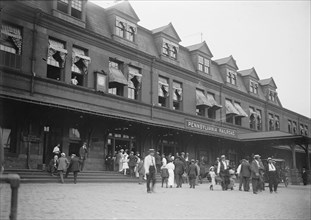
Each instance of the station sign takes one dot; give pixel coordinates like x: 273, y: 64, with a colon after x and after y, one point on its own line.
x: 211, y: 129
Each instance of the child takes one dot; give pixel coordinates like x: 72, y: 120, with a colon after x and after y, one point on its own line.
x: 213, y: 176
x: 164, y: 175
x: 141, y: 170
x: 232, y: 178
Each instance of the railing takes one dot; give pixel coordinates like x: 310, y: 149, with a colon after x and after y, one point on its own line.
x: 10, y: 60
x: 14, y: 181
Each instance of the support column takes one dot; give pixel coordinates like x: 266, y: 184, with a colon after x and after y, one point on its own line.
x: 294, y: 173
x: 293, y: 147
x: 308, y: 157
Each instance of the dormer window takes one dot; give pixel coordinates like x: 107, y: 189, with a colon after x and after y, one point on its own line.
x: 120, y: 29
x: 272, y: 95
x: 125, y: 29
x: 203, y: 64
x: 169, y: 49
x: 231, y: 77
x: 166, y: 49
x: 253, y: 87
x: 62, y: 5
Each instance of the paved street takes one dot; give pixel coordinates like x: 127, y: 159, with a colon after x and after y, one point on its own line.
x: 130, y: 201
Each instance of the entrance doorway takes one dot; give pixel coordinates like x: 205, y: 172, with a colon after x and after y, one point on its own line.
x: 74, y: 149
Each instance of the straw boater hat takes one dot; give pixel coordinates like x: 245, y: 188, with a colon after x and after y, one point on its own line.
x: 211, y: 168
x: 269, y: 158
x: 223, y: 156
x: 257, y: 156
x: 151, y: 150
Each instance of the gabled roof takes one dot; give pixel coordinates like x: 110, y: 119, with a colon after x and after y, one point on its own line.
x: 249, y: 72
x: 227, y: 60
x: 168, y: 30
x: 126, y: 8
x: 201, y: 47
x: 269, y: 81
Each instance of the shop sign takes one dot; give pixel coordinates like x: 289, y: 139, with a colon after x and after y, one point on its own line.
x: 193, y: 125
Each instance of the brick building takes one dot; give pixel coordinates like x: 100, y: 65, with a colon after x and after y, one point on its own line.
x: 72, y: 71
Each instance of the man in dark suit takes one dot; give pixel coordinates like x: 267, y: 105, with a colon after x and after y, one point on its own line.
x: 272, y: 175
x: 245, y: 173
x: 222, y: 168
x: 255, y: 173
x: 179, y: 171
x: 82, y: 153
x: 74, y: 167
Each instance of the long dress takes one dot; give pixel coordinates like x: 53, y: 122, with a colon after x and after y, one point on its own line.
x: 170, y: 167
x: 213, y: 176
x: 125, y: 161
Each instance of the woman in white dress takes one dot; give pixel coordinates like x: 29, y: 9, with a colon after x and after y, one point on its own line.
x: 170, y: 167
x: 125, y: 161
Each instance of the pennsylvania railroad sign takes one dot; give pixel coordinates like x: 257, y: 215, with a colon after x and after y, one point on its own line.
x: 211, y: 129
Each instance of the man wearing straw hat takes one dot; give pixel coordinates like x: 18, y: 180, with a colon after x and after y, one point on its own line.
x: 255, y: 173
x: 150, y: 170
x: 272, y: 175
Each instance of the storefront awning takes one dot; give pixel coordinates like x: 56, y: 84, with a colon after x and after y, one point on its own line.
x: 202, y: 100
x: 212, y: 100
x: 230, y: 109
x: 116, y: 76
x: 241, y: 111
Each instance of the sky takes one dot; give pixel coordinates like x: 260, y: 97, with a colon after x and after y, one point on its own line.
x: 271, y: 36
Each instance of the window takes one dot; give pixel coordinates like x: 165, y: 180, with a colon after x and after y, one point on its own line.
x: 130, y: 33
x: 259, y: 121
x: 211, y: 112
x: 231, y: 77
x: 169, y: 49
x: 177, y: 95
x: 62, y: 5
x: 116, y: 87
x: 134, y: 83
x: 230, y: 111
x: 271, y: 122
x: 79, y: 67
x: 203, y: 65
x: 277, y: 122
x: 11, y: 39
x: 301, y: 129
x: 253, y: 87
x: 166, y: 49
x: 201, y: 103
x: 120, y: 29
x: 289, y: 126
x: 306, y: 130
x: 272, y: 95
x: 252, y: 118
x: 56, y: 59
x: 163, y: 92
x: 294, y: 127
x: 74, y: 133
x: 76, y: 9
x: 6, y: 137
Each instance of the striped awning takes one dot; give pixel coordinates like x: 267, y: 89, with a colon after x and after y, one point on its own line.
x: 202, y: 100
x: 230, y: 109
x: 116, y: 76
x: 212, y: 100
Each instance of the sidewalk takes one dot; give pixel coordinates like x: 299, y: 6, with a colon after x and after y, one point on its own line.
x: 130, y: 201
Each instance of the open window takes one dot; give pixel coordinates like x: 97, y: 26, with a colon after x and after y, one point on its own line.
x: 56, y: 59
x: 163, y: 91
x: 79, y: 68
x: 177, y: 96
x: 134, y: 83
x: 117, y: 80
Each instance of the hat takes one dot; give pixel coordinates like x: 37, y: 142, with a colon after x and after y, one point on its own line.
x: 257, y: 156
x: 151, y: 150
x: 212, y: 167
x: 269, y: 158
x: 192, y: 160
x: 172, y: 157
x: 73, y: 155
x: 63, y: 154
x: 222, y: 156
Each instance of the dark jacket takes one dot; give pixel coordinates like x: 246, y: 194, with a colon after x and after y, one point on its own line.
x: 255, y: 170
x: 179, y: 167
x: 132, y: 161
x: 245, y: 169
x: 74, y: 165
x: 82, y: 153
x: 193, y: 171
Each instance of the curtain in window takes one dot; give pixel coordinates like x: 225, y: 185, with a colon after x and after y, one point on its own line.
x: 134, y: 79
x: 57, y: 51
x: 14, y: 34
x: 80, y: 60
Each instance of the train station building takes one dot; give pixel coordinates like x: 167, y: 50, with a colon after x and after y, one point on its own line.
x: 74, y: 72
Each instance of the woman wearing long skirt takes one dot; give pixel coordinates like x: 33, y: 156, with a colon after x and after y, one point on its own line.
x: 170, y: 167
x: 125, y: 165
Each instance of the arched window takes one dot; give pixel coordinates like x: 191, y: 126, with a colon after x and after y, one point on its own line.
x: 120, y: 29
x: 166, y: 49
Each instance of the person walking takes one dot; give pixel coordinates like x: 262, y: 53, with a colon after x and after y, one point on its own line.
x: 150, y: 170
x: 255, y: 173
x: 62, y: 166
x: 125, y: 160
x: 164, y: 175
x: 119, y: 159
x: 179, y: 170
x: 141, y: 170
x: 83, y: 153
x: 170, y: 168
x: 74, y: 166
x: 304, y: 176
x: 272, y: 176
x: 213, y: 177
x: 158, y: 161
x: 192, y: 173
x: 221, y: 171
x: 132, y: 163
x: 56, y: 150
x: 245, y: 174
